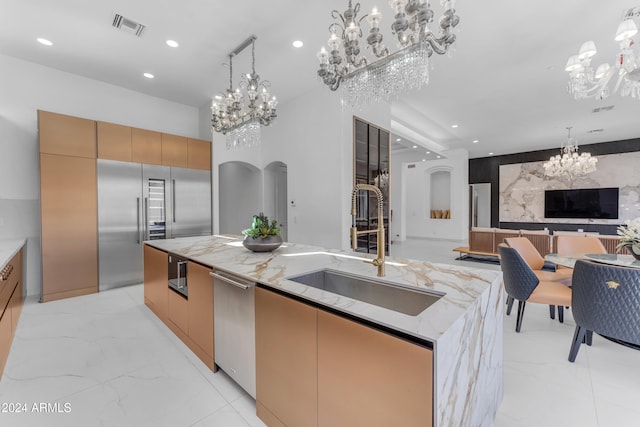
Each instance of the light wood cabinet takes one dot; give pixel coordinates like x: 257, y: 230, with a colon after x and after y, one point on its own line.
x: 174, y: 150
x: 286, y: 361
x: 179, y: 311
x: 146, y: 146
x: 199, y: 154
x: 68, y: 203
x: 10, y: 306
x: 114, y: 142
x: 156, y: 271
x: 201, y: 311
x: 66, y: 135
x: 369, y: 378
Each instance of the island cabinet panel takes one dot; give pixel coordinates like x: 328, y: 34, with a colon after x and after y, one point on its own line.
x: 156, y: 289
x: 369, y: 378
x: 146, y: 146
x: 201, y: 312
x: 16, y: 300
x: 174, y: 151
x: 5, y: 338
x: 286, y: 361
x: 179, y: 312
x: 69, y: 212
x: 199, y: 154
x: 66, y: 135
x: 114, y: 142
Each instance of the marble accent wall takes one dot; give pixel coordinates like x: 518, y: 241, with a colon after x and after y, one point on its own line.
x: 522, y: 188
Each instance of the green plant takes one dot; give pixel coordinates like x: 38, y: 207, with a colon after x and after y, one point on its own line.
x: 261, y: 227
x: 630, y: 236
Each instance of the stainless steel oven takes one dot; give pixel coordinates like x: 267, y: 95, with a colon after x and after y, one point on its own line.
x: 178, y: 274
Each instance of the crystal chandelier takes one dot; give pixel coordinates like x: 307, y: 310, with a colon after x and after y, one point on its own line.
x: 240, y: 113
x: 569, y: 164
x: 584, y: 82
x: 390, y: 73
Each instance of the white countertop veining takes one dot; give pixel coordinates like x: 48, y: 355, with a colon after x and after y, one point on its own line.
x: 462, y: 286
x: 8, y: 249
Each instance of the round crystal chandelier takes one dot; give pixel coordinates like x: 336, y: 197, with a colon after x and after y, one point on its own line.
x: 569, y: 164
x: 365, y: 81
x: 240, y: 113
x: 585, y: 82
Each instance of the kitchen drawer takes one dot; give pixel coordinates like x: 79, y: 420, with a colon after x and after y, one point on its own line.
x: 179, y: 311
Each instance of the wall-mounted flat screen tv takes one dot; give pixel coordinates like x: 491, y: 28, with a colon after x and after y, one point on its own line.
x: 593, y: 203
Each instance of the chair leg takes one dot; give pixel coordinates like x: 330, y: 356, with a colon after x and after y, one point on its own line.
x: 561, y: 314
x: 552, y: 311
x: 578, y: 336
x: 589, y: 337
x: 520, y: 314
x: 509, y: 304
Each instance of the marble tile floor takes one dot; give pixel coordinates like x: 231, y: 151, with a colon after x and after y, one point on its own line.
x: 106, y: 360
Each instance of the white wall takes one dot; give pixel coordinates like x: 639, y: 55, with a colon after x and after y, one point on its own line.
x: 240, y: 191
x: 313, y: 136
x: 412, y: 210
x: 26, y: 87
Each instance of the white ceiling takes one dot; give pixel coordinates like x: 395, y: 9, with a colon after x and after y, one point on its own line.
x: 504, y: 83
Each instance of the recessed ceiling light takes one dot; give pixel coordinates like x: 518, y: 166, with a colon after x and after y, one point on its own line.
x: 44, y: 41
x: 415, y: 146
x: 491, y: 154
x: 428, y: 152
x: 298, y: 43
x: 398, y: 139
x: 475, y: 141
x: 172, y: 43
x: 424, y: 160
x: 148, y: 75
x: 454, y: 126
x: 438, y: 157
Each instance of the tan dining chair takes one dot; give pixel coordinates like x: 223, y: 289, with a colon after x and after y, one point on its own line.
x: 532, y: 257
x: 577, y: 245
x: 521, y: 284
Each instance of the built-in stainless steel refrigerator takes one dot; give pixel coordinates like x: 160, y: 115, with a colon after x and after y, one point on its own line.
x: 138, y: 202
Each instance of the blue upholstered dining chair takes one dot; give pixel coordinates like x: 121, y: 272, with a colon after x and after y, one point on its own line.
x: 523, y: 285
x: 605, y: 300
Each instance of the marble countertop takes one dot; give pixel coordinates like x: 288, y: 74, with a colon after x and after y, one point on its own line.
x: 8, y: 249
x: 462, y: 286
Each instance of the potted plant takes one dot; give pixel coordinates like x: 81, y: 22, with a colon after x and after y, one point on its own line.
x: 630, y: 237
x: 263, y: 236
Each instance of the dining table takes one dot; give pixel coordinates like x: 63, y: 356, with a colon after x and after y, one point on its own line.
x: 569, y: 260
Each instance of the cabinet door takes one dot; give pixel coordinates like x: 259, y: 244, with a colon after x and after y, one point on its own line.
x: 179, y: 311
x: 146, y: 146
x: 69, y: 212
x: 199, y: 154
x: 156, y: 272
x: 16, y: 307
x: 174, y: 150
x: 286, y: 361
x: 114, y: 142
x: 369, y: 378
x: 5, y: 338
x: 66, y: 135
x: 201, y: 309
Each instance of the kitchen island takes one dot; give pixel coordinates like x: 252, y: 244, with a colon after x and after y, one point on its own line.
x: 462, y: 330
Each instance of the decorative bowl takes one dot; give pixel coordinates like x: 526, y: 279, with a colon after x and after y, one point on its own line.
x: 262, y: 244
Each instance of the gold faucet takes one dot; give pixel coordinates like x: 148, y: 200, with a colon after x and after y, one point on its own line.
x: 379, y: 261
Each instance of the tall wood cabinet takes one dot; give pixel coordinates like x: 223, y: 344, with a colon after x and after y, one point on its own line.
x: 68, y: 204
x: 69, y: 149
x: 371, y: 153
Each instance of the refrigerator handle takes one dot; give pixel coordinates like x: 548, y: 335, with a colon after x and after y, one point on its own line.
x: 146, y: 219
x: 138, y: 218
x: 173, y: 200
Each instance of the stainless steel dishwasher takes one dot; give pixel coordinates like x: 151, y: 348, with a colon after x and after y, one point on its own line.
x: 234, y: 328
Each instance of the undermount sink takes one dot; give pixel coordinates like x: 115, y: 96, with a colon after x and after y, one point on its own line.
x: 373, y: 291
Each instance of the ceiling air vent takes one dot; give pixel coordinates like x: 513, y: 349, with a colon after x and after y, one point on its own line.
x: 595, y: 130
x: 411, y: 166
x: 599, y: 109
x: 128, y: 25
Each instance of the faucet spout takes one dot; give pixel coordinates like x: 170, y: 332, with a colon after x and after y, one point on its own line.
x: 379, y: 261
